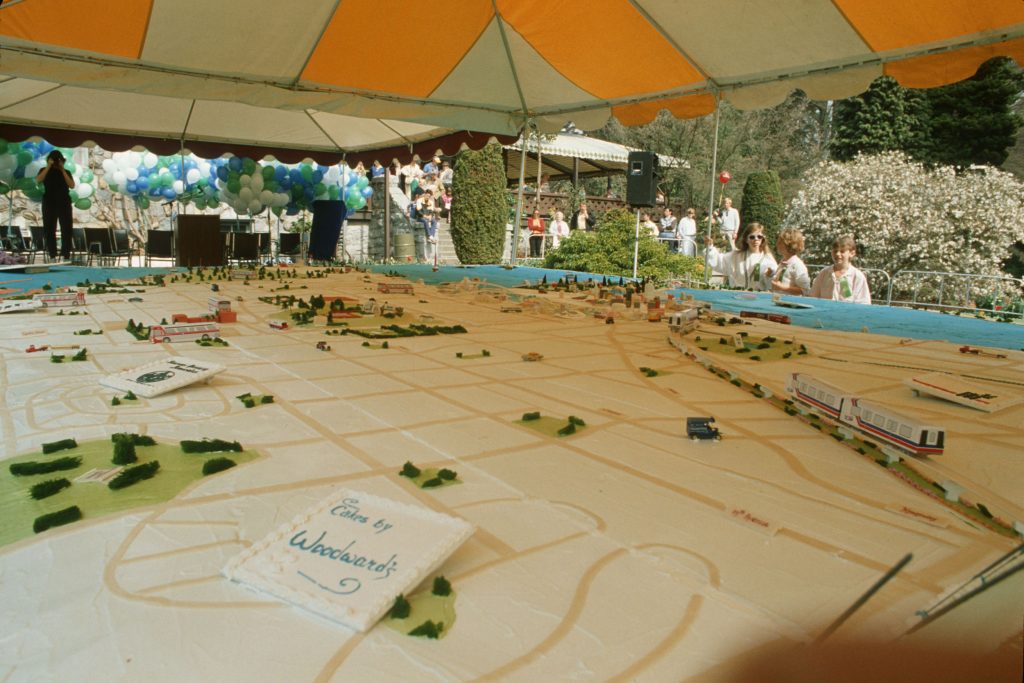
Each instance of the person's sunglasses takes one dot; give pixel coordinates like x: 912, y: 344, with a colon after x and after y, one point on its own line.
x: 755, y: 237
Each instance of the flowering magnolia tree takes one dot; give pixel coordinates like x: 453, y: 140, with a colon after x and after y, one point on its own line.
x: 905, y: 216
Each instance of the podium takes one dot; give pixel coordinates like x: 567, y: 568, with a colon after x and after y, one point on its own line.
x: 199, y: 241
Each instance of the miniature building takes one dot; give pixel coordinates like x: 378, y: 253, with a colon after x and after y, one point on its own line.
x: 394, y: 288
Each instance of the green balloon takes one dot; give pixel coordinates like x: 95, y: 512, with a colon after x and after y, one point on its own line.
x: 4, y: 188
x: 306, y: 170
x: 73, y: 195
x: 87, y: 176
x: 248, y: 166
x: 333, y: 192
x: 24, y: 158
x: 84, y: 204
x: 3, y: 143
x: 26, y: 185
x: 319, y: 189
x: 69, y: 166
x: 212, y: 203
x: 270, y: 185
x: 35, y: 194
x: 268, y: 172
x: 143, y: 201
x: 234, y: 186
x: 202, y: 182
x: 362, y: 182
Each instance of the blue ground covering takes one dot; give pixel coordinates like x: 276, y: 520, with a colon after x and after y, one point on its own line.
x: 832, y: 315
x: 69, y: 276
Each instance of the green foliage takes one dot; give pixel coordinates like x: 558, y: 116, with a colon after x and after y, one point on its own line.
x: 133, y: 475
x: 210, y: 446
x: 442, y: 586
x: 214, y: 465
x: 45, y: 489
x: 447, y: 474
x: 432, y: 483
x: 567, y: 429
x: 480, y: 213
x: 24, y: 469
x: 401, y: 609
x: 62, y: 445
x: 124, y: 452
x: 609, y: 251
x: 65, y: 516
x: 531, y: 416
x: 762, y: 202
x: 115, y: 401
x: 884, y: 118
x: 428, y: 629
x: 137, y: 439
x: 578, y: 421
x: 409, y: 470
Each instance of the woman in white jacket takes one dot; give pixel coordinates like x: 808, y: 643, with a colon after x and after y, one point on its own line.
x: 750, y: 265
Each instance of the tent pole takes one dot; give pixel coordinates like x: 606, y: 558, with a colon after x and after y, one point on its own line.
x: 711, y: 199
x: 540, y: 168
x: 519, y: 197
x: 636, y: 244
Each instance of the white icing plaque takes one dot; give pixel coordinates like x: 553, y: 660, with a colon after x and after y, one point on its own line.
x: 350, y: 556
x: 159, y: 377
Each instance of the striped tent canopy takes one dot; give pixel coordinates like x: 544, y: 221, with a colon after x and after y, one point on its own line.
x: 350, y: 75
x: 564, y: 156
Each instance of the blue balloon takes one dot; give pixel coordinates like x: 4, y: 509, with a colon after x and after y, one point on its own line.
x: 280, y: 173
x: 296, y: 175
x: 235, y: 164
x: 169, y: 193
x: 175, y: 169
x: 143, y: 171
x: 367, y: 192
x: 222, y: 173
x: 155, y: 191
x: 45, y: 148
x: 292, y: 209
x: 131, y: 188
x: 351, y: 179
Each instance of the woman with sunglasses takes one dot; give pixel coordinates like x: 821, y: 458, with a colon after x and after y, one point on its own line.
x: 750, y: 264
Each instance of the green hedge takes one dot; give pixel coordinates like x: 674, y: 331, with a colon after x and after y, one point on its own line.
x: 214, y: 465
x: 61, y: 445
x: 480, y: 212
x: 133, y: 475
x: 211, y: 446
x: 65, y: 516
x: 136, y: 439
x: 124, y: 452
x: 24, y: 469
x: 50, y: 487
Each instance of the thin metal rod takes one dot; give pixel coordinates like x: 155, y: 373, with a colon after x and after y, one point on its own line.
x: 519, y: 198
x: 711, y: 200
x: 636, y: 244
x: 864, y: 598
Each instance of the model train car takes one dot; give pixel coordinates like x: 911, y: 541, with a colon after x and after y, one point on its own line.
x: 869, y: 417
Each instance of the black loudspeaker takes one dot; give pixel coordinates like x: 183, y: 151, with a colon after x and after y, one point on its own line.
x: 323, y: 237
x: 642, y: 179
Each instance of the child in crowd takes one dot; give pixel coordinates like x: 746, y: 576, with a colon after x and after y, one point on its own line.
x: 842, y: 281
x: 750, y: 264
x: 792, y: 276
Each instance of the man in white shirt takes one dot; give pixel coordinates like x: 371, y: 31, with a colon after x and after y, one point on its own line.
x: 687, y: 232
x: 730, y: 221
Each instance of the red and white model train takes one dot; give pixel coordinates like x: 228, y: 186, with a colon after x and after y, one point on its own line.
x: 873, y: 419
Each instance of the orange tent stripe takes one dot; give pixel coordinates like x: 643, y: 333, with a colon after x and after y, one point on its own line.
x: 109, y: 27
x: 570, y: 37
x: 934, y: 70
x: 888, y: 25
x: 410, y: 57
x: 688, y: 107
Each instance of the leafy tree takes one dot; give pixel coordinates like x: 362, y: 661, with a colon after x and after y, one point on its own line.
x: 973, y: 121
x: 610, y: 251
x: 480, y: 211
x: 884, y: 118
x: 762, y: 202
x: 906, y: 216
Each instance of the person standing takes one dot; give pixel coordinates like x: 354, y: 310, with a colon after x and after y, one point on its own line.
x: 57, y: 184
x: 668, y: 229
x: 792, y: 276
x: 582, y: 220
x: 750, y: 264
x: 536, y: 226
x: 730, y: 222
x: 559, y: 229
x: 687, y: 232
x: 647, y: 224
x: 842, y: 281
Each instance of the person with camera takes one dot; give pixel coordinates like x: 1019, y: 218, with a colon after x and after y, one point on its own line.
x: 57, y: 184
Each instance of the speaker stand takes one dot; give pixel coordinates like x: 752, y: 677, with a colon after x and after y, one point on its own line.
x: 636, y: 244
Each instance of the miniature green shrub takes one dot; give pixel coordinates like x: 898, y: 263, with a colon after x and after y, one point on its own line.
x: 59, y: 518
x: 764, y: 345
x: 432, y: 483
x: 23, y: 469
x: 442, y: 586
x: 401, y: 609
x: 409, y: 470
x: 62, y: 445
x: 266, y: 399
x: 210, y: 446
x: 837, y: 437
x: 567, y: 430
x: 736, y: 382
x: 115, y: 401
x: 578, y: 421
x: 447, y: 474
x: 984, y: 510
x: 133, y: 475
x: 485, y: 353
x: 755, y: 358
x: 137, y: 439
x: 428, y: 629
x: 45, y: 489
x: 124, y: 452
x: 721, y: 340
x: 458, y: 354
x: 214, y: 465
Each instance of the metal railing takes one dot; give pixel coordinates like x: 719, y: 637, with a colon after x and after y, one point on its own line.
x: 960, y: 291
x: 814, y: 268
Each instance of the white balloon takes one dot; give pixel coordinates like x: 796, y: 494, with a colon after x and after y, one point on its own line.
x: 34, y: 167
x: 256, y: 183
x: 193, y: 176
x: 8, y: 161
x: 244, y: 180
x: 178, y: 186
x: 245, y: 194
x: 134, y: 159
x: 83, y: 189
x: 109, y: 166
x: 149, y: 160
x: 255, y: 206
x: 239, y: 206
x: 119, y: 178
x: 266, y: 197
x: 131, y: 173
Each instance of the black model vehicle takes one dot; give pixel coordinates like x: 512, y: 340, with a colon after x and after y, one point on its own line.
x: 702, y: 428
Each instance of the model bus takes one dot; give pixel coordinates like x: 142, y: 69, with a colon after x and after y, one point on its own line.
x: 183, y: 332
x: 873, y: 419
x: 54, y: 299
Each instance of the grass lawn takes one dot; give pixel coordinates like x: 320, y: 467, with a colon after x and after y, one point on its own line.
x: 177, y: 470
